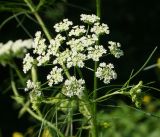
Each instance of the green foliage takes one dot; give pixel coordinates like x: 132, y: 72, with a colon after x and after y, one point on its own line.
x: 125, y: 121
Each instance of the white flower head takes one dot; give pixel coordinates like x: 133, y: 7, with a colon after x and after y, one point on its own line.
x: 61, y: 57
x: 76, y: 44
x: 59, y: 38
x: 5, y: 49
x: 90, y: 19
x: 89, y: 40
x: 42, y: 59
x: 32, y: 85
x: 96, y: 52
x: 115, y: 49
x: 19, y: 47
x: 55, y: 76
x: 27, y: 63
x: 53, y: 48
x: 106, y: 72
x: 16, y: 48
x: 73, y: 87
x: 77, y: 31
x: 63, y: 26
x: 39, y: 44
x: 100, y: 29
x: 76, y: 59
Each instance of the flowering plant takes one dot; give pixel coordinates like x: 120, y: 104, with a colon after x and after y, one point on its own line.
x: 67, y: 56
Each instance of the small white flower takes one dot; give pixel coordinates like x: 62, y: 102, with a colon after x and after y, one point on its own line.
x: 106, y: 72
x: 37, y: 38
x: 89, y: 40
x: 76, y: 59
x: 76, y: 44
x: 19, y: 47
x: 27, y: 63
x: 82, y: 43
x: 53, y: 47
x: 73, y: 87
x: 55, y: 76
x: 32, y: 85
x: 62, y: 57
x: 90, y: 19
x: 63, y: 26
x: 115, y: 49
x: 39, y: 46
x: 42, y: 59
x: 59, y: 38
x: 5, y: 49
x: 100, y: 29
x: 96, y: 52
x: 77, y: 31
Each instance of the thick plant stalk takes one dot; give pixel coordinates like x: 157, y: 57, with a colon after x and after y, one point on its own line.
x: 94, y: 113
x: 34, y: 74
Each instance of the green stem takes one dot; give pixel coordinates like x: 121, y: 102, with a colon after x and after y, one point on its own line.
x: 94, y: 113
x: 94, y: 118
x: 66, y: 71
x: 14, y: 66
x: 33, y: 114
x: 71, y: 124
x: 34, y: 74
x: 39, y: 19
x: 44, y: 28
x: 98, y: 8
x: 44, y: 121
x: 111, y: 94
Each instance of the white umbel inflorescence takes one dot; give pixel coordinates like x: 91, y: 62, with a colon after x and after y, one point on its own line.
x: 73, y: 87
x: 96, y: 52
x: 63, y: 26
x: 90, y: 19
x: 31, y: 85
x: 77, y: 31
x: 100, y: 29
x: 27, y: 63
x: 55, y: 76
x: 76, y: 59
x: 115, y: 49
x: 72, y: 48
x: 39, y: 44
x: 106, y: 72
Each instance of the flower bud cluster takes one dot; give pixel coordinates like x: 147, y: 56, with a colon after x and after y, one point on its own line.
x: 135, y: 94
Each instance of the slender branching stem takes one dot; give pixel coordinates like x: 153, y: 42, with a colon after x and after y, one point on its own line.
x: 43, y: 26
x: 98, y: 8
x: 14, y: 66
x: 111, y: 94
x: 94, y: 119
x: 39, y: 19
x: 33, y: 114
